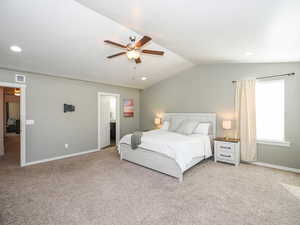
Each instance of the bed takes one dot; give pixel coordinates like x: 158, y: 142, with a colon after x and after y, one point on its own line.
x: 169, y: 152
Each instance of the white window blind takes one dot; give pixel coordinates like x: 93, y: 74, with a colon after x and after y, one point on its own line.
x: 270, y: 110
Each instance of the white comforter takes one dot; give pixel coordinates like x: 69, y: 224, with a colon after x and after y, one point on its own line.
x: 181, y: 148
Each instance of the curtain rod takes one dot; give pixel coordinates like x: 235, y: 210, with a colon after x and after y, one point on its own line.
x: 280, y: 75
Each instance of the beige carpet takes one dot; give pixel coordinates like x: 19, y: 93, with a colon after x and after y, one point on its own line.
x: 98, y: 188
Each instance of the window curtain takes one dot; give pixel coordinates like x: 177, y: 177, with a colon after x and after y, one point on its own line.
x: 245, y: 113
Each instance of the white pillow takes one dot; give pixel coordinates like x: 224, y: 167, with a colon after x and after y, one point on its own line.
x: 202, y: 128
x: 166, y: 125
x: 175, y: 123
x: 187, y: 127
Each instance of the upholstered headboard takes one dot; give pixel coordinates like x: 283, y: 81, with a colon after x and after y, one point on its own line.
x: 202, y: 117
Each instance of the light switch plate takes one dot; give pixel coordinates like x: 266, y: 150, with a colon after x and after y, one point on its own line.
x: 29, y: 122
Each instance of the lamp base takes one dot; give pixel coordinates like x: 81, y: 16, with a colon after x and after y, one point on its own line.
x: 226, y: 138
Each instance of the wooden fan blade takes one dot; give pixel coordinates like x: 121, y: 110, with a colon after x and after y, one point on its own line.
x: 153, y: 52
x: 115, y: 55
x: 116, y: 44
x: 138, y: 60
x: 143, y: 41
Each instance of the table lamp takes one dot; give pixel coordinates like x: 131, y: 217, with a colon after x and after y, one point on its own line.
x: 226, y: 124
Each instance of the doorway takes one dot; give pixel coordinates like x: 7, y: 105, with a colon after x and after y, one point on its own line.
x: 108, y: 120
x: 12, y: 120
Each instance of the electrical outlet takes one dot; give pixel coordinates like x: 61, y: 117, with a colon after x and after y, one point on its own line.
x: 66, y: 146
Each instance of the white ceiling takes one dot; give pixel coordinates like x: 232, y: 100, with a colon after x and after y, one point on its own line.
x: 210, y: 31
x: 65, y: 38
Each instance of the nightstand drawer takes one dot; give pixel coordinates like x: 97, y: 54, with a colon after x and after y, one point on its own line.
x: 227, y: 150
x: 225, y: 146
x: 227, y: 155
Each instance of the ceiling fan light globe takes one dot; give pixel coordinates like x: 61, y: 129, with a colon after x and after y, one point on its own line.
x: 130, y: 55
x: 133, y: 54
x: 137, y: 55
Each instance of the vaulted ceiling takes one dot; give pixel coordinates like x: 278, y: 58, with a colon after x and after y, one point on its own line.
x: 65, y: 37
x: 210, y: 31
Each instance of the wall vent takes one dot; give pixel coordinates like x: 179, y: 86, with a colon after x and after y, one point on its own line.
x: 20, y: 78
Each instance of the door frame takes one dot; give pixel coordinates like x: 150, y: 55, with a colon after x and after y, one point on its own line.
x: 117, y: 116
x: 22, y: 118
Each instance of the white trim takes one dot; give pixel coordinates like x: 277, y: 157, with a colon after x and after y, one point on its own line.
x: 117, y: 117
x: 23, y: 126
x: 11, y: 85
x: 277, y: 143
x: 22, y: 118
x: 61, y: 157
x: 276, y: 167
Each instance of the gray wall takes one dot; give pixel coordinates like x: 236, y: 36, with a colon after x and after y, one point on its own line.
x: 45, y: 97
x: 208, y: 88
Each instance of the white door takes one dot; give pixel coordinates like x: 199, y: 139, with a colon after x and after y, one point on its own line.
x: 104, y: 121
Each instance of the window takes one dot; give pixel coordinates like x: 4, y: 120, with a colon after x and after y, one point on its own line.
x: 270, y: 111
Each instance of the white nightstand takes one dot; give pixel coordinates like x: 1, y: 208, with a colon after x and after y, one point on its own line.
x: 227, y: 150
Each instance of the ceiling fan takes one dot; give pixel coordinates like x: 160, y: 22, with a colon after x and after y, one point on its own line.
x: 133, y: 49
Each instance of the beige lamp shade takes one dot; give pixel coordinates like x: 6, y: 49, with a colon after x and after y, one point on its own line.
x: 157, y: 121
x: 226, y: 124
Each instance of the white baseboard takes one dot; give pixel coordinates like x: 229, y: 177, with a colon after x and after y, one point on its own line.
x: 276, y: 167
x: 61, y: 157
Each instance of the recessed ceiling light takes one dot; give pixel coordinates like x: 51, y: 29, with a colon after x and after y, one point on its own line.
x: 144, y: 78
x: 248, y: 53
x: 15, y: 48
